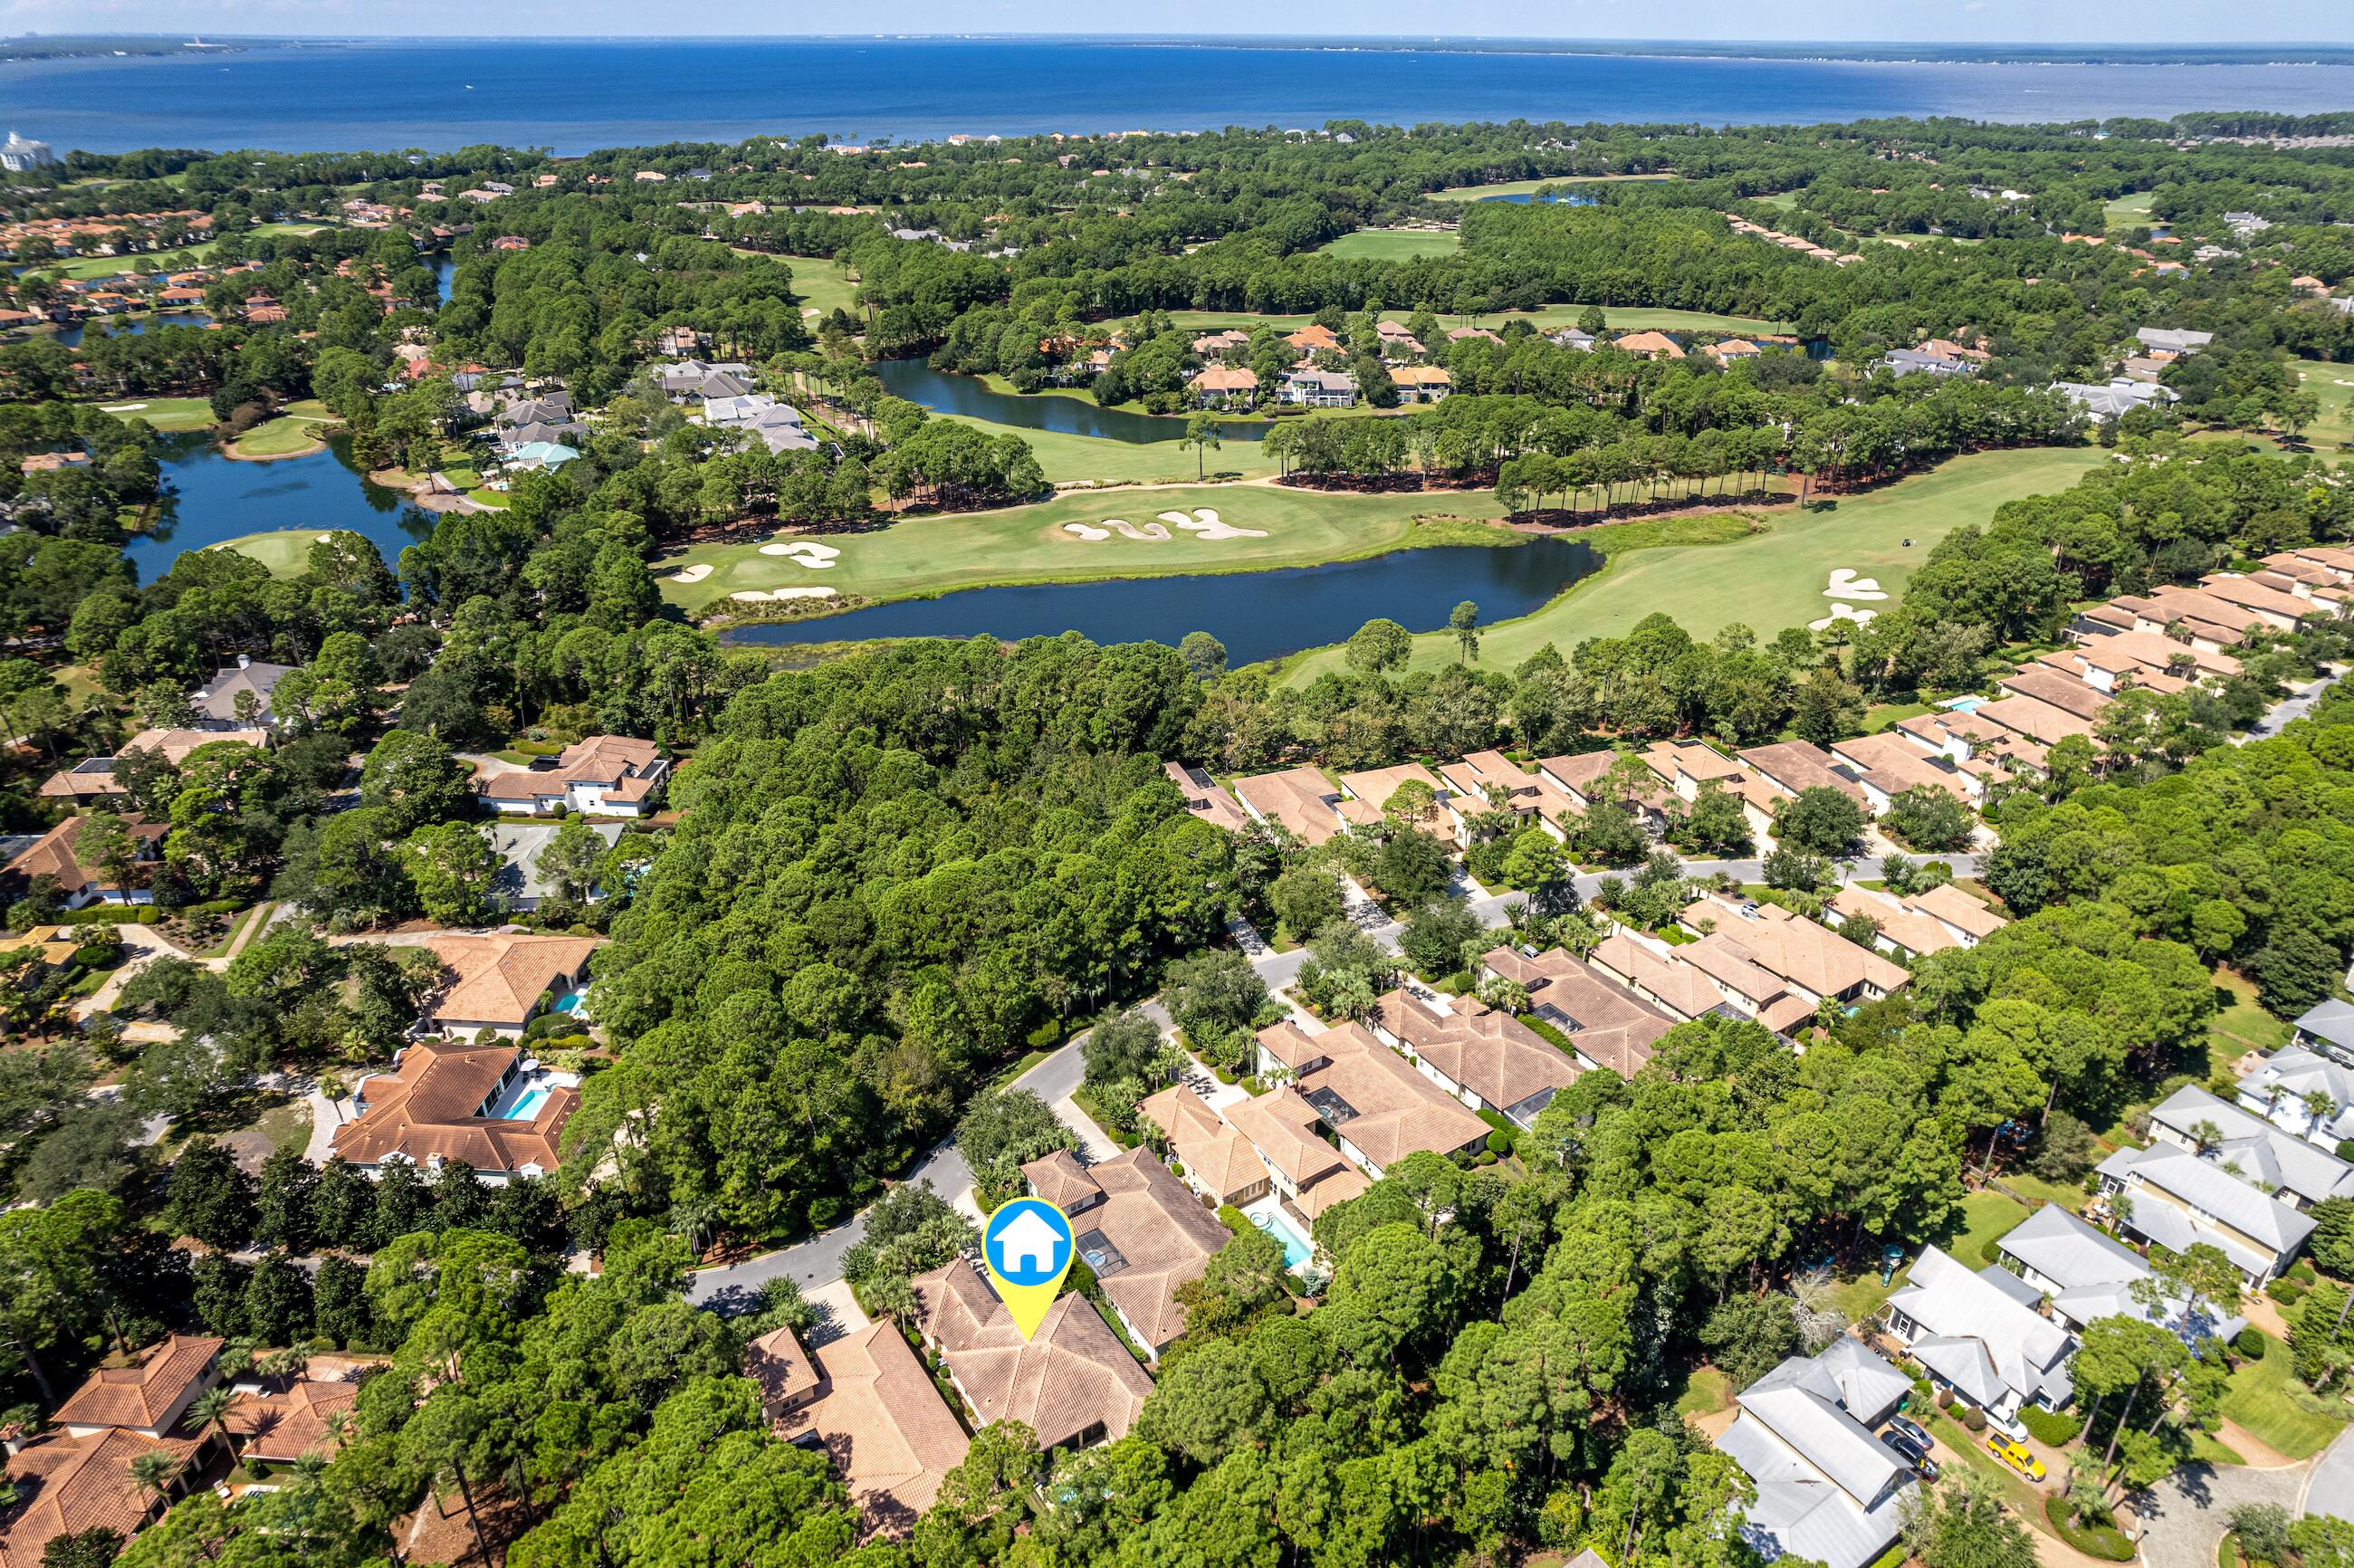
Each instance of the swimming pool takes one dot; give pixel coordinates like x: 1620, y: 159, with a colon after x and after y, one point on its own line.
x: 527, y: 1107
x: 1296, y: 1248
x: 571, y: 1001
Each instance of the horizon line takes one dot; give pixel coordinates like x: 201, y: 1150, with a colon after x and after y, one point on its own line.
x: 969, y: 35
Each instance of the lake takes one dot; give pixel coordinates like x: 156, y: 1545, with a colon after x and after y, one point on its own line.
x: 1257, y: 615
x: 576, y: 95
x: 72, y: 334
x: 211, y: 497
x: 946, y: 392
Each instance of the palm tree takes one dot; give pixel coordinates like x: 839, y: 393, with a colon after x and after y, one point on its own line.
x: 210, y: 1411
x: 155, y: 1472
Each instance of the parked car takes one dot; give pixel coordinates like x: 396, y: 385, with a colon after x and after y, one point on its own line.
x: 2015, y: 1455
x: 1911, y: 1429
x: 1912, y: 1453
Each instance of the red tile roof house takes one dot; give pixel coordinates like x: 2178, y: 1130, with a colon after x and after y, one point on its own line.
x: 605, y: 775
x: 868, y: 1403
x: 149, y: 1398
x: 1488, y: 1060
x: 54, y: 855
x: 1073, y: 1383
x: 497, y: 982
x: 67, y: 1485
x: 1377, y: 1105
x: 1141, y: 1231
x: 484, y: 1105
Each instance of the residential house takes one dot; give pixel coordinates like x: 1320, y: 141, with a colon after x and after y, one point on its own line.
x: 605, y: 775
x: 1303, y: 801
x: 50, y: 462
x: 1073, y: 1383
x: 1826, y: 1490
x: 488, y: 1106
x: 1974, y: 1336
x: 1314, y: 339
x: 2303, y: 1091
x: 1685, y: 765
x: 1219, y: 1163
x: 1140, y: 1232
x: 92, y: 781
x: 1462, y: 334
x: 1370, y: 788
x: 1914, y: 925
x: 287, y: 1426
x: 2119, y: 397
x: 2061, y: 690
x: 1648, y: 345
x: 2167, y: 1196
x: 2283, y: 611
x: 1488, y: 1059
x: 1657, y: 974
x: 1204, y: 799
x: 2083, y: 1275
x: 547, y: 455
x: 1286, y: 1136
x: 1579, y: 778
x: 1319, y: 388
x: 2036, y: 719
x: 777, y: 425
x: 1607, y: 1026
x: 2171, y: 340
x: 497, y: 982
x: 1396, y: 340
x: 1915, y: 362
x: 66, y: 1486
x: 2328, y: 1027
x: 867, y: 1400
x: 147, y: 1398
x: 1809, y: 959
x: 1795, y: 767
x: 693, y: 381
x: 1975, y: 745
x: 57, y: 854
x: 1732, y: 350
x: 1210, y: 345
x: 2251, y: 1146
x: 1487, y: 782
x: 1572, y: 338
x: 1378, y: 1107
x: 1224, y: 386
x: 1422, y: 383
x: 216, y: 702
x: 1884, y: 766
x: 518, y: 884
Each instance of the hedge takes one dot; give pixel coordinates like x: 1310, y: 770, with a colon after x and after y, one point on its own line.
x: 2249, y: 1345
x: 2284, y: 1291
x: 2054, y: 1428
x: 2105, y: 1541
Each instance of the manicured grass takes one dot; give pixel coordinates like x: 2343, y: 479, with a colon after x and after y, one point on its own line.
x: 1392, y: 244
x: 164, y: 413
x: 1785, y: 200
x: 1527, y: 187
x: 1775, y: 578
x: 2260, y: 1398
x: 1027, y: 544
x: 1620, y: 318
x: 287, y: 435
x: 286, y: 551
x: 2241, y: 1026
x: 2207, y: 1449
x: 2334, y: 385
x: 117, y: 266
x: 1706, y: 1391
x: 2129, y: 211
x: 1068, y: 457
x: 822, y: 283
x: 1986, y: 1215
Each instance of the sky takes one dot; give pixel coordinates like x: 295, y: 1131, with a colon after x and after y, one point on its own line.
x: 1874, y: 21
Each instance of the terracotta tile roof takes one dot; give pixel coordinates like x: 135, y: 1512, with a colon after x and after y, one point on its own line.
x: 1220, y: 1160
x: 1282, y: 1128
x: 431, y: 1106
x: 1611, y: 1027
x: 1422, y: 376
x: 1690, y: 759
x: 498, y: 980
x: 1062, y: 1180
x: 1387, y: 1109
x: 1159, y: 1231
x: 280, y: 1428
x: 1956, y: 907
x: 1677, y: 986
x: 96, y: 776
x: 1074, y: 1375
x: 1225, y: 378
x: 1491, y: 1054
x: 52, y: 855
x: 2234, y: 589
x: 67, y: 1484
x: 2035, y: 718
x: 1900, y: 922
x: 1794, y: 948
x: 1300, y: 799
x: 1648, y: 342
x: 1204, y: 799
x: 1372, y: 787
x: 1798, y: 766
x: 2068, y: 692
x: 882, y: 1422
x: 784, y: 1371
x: 1894, y: 765
x: 628, y: 769
x: 147, y: 1396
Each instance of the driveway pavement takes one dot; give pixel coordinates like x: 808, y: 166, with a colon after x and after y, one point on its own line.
x: 2186, y: 1513
x: 2329, y: 1485
x: 2294, y: 706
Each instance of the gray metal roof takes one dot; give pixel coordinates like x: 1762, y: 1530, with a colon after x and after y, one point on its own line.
x: 2332, y: 1020
x: 2247, y: 1209
x: 2070, y: 1251
x: 1951, y: 1303
x: 2262, y: 1153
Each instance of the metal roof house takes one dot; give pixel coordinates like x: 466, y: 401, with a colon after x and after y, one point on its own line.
x: 1972, y: 1333
x: 1827, y: 1489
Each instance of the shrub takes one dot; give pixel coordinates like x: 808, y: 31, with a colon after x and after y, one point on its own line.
x: 1974, y: 1419
x: 2249, y: 1345
x: 2284, y: 1291
x: 1945, y: 1399
x: 2052, y: 1429
x: 2302, y: 1272
x: 1499, y: 1143
x: 2100, y: 1539
x: 1990, y: 1250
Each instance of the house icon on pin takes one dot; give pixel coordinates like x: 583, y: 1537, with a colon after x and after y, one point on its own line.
x: 1026, y: 1245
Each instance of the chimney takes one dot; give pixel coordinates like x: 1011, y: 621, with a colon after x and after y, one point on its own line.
x: 243, y: 659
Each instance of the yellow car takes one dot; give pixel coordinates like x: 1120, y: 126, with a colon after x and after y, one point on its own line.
x: 2015, y: 1455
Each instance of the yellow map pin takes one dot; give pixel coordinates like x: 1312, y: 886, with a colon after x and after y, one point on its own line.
x: 1027, y: 1245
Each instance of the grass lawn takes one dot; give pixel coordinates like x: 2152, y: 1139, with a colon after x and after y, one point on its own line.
x: 822, y: 283
x: 1786, y: 200
x: 1528, y: 187
x: 2242, y: 1025
x: 166, y: 413
x: 236, y: 923
x: 1626, y: 317
x: 1706, y: 1391
x: 2129, y: 211
x: 1027, y: 544
x: 2334, y: 385
x: 289, y: 435
x: 1775, y: 578
x: 1392, y: 245
x: 286, y: 551
x: 1986, y: 1215
x: 116, y: 266
x: 1066, y: 457
x: 2260, y: 1399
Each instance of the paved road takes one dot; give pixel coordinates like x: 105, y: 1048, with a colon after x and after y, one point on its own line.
x: 2185, y: 1518
x: 2329, y: 1485
x: 817, y: 1262
x: 2295, y: 706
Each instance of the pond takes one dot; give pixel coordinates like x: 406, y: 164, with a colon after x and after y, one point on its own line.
x: 945, y: 392
x: 1564, y: 198
x: 71, y: 335
x: 1257, y: 615
x: 210, y: 497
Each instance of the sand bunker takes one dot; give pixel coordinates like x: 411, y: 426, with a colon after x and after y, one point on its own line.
x: 802, y: 553
x: 694, y: 574
x: 765, y: 596
x: 1086, y: 531
x: 1845, y: 583
x: 1843, y: 612
x: 135, y: 408
x: 326, y: 539
x: 806, y: 314
x: 1205, y: 524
